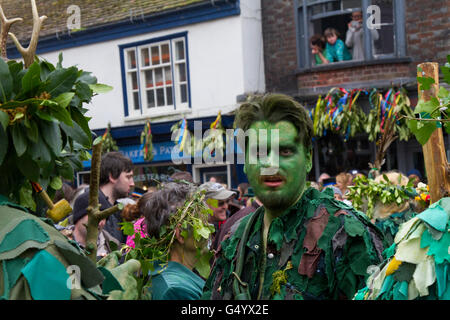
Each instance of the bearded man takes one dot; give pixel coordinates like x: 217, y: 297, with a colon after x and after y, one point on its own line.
x: 116, y: 181
x: 301, y: 244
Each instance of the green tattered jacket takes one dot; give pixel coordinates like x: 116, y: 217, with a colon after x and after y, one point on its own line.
x: 36, y: 259
x: 318, y: 249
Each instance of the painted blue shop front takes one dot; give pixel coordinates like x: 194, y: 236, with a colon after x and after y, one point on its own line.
x: 160, y: 168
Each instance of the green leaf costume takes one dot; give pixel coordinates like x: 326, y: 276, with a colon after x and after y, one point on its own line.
x: 320, y: 248
x: 418, y: 263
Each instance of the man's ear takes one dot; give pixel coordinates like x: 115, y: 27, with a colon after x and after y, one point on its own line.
x: 111, y: 179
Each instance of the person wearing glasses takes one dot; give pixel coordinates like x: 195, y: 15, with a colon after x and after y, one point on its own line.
x: 217, y: 199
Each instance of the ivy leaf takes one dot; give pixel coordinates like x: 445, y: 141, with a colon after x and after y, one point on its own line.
x: 127, y: 228
x: 422, y: 132
x: 426, y: 106
x: 203, y: 265
x: 425, y: 82
x: 6, y: 82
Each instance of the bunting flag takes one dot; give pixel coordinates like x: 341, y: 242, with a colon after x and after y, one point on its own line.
x: 183, y: 134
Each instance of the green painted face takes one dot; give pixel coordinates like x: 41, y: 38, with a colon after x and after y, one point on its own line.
x: 279, y: 178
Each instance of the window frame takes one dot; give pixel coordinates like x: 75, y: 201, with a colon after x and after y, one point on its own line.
x: 141, y: 68
x: 304, y: 18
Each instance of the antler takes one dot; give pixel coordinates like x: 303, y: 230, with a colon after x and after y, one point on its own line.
x: 6, y: 25
x: 29, y: 53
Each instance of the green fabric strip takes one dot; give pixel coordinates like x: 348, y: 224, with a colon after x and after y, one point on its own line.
x: 25, y: 235
x: 47, y: 277
x: 90, y: 275
x: 110, y: 283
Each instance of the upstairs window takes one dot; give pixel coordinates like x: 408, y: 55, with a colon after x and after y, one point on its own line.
x: 155, y: 76
x: 351, y: 18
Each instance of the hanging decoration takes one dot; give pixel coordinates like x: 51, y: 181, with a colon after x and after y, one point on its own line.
x: 214, y: 141
x: 146, y: 142
x: 339, y: 113
x: 108, y: 143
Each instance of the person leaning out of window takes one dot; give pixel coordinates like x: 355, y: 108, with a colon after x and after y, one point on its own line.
x: 318, y: 50
x: 335, y: 47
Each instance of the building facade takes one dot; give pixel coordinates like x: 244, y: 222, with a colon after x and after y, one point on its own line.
x: 166, y: 61
x: 409, y: 32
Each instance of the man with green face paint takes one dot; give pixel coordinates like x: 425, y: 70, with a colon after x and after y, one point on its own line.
x: 301, y: 244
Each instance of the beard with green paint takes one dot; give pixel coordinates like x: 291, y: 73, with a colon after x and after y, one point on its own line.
x: 278, y: 173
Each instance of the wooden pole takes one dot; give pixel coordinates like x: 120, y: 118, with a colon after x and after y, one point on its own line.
x: 436, y: 164
x: 93, y: 209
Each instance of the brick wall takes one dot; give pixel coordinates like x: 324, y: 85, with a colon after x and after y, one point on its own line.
x: 363, y: 74
x: 280, y: 48
x: 427, y: 30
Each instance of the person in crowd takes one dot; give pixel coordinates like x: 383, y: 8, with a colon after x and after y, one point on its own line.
x: 301, y: 243
x: 415, y: 174
x: 182, y: 175
x: 176, y: 280
x: 79, y: 234
x: 217, y: 199
x: 343, y: 181
x: 355, y: 35
x: 337, y: 193
x: 116, y: 181
x: 317, y: 43
x: 230, y: 225
x: 389, y: 217
x: 322, y: 178
x: 242, y: 188
x: 336, y: 50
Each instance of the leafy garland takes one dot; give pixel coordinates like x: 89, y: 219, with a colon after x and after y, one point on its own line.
x: 340, y: 113
x: 44, y: 134
x: 146, y: 141
x: 192, y: 218
x: 212, y: 143
x: 108, y: 143
x: 366, y: 189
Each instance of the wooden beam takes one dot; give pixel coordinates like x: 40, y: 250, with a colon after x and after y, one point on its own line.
x: 436, y: 164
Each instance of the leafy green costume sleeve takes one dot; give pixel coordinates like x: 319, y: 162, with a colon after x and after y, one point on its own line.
x: 417, y: 267
x: 318, y: 249
x: 35, y: 260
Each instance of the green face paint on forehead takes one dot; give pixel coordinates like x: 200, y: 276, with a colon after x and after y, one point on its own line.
x: 287, y: 162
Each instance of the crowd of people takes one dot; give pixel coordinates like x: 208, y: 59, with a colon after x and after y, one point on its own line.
x: 275, y: 237
x: 328, y: 47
